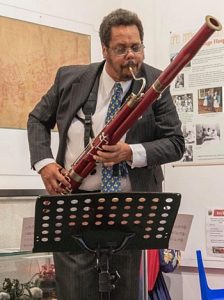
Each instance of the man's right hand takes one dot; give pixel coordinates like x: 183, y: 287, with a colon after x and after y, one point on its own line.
x: 53, y: 179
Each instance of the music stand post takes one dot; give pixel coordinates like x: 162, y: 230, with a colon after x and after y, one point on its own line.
x: 82, y: 221
x: 107, y: 280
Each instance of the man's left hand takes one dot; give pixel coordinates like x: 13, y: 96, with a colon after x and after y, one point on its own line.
x: 114, y: 154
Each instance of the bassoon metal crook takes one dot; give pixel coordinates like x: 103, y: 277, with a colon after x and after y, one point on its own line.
x: 137, y: 79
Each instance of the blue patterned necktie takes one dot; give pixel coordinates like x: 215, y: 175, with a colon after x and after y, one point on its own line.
x: 112, y: 182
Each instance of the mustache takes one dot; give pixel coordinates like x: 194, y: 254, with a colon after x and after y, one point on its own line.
x: 130, y: 63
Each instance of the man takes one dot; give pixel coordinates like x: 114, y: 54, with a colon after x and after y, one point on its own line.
x: 154, y: 139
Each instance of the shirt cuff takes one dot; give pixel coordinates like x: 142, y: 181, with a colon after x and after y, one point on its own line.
x: 42, y: 163
x: 139, y: 159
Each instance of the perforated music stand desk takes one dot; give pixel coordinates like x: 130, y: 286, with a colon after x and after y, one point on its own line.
x: 99, y: 221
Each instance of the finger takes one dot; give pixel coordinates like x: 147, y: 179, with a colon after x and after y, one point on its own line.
x: 97, y: 158
x: 56, y: 188
x: 107, y: 155
x: 61, y: 189
x: 110, y: 148
x: 103, y: 160
x: 109, y: 164
x: 62, y: 170
x: 63, y: 179
x: 50, y: 189
x: 53, y: 192
x: 51, y: 184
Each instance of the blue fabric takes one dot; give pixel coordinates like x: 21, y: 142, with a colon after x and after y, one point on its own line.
x: 160, y: 291
x: 168, y: 260
x: 111, y: 182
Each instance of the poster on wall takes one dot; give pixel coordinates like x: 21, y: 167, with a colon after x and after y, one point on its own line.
x: 215, y: 231
x: 197, y: 92
x: 30, y: 55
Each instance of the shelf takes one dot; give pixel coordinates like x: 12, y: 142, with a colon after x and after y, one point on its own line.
x: 21, y: 193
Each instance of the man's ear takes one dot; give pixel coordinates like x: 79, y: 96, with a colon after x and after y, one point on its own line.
x: 104, y: 51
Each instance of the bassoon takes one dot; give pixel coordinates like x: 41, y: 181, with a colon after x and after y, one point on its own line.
x: 136, y: 104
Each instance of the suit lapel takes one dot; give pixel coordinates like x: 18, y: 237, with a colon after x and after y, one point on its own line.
x: 81, y: 89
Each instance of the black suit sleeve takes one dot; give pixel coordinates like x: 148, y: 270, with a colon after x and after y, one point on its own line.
x: 40, y: 122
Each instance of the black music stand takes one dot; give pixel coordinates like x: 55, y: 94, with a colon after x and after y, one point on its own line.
x: 138, y: 220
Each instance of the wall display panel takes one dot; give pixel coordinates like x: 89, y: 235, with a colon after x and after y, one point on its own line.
x: 198, y: 95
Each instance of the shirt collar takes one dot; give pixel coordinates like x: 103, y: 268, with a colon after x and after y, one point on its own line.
x: 108, y: 83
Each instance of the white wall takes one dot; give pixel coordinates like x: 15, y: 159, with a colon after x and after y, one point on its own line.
x: 159, y: 18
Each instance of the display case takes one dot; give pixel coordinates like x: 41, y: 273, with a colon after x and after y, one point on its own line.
x: 23, y: 274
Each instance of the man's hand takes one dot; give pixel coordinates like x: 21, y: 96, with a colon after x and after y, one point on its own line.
x: 52, y: 177
x: 114, y: 154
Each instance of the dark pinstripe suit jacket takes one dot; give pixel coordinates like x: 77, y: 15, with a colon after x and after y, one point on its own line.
x: 159, y: 129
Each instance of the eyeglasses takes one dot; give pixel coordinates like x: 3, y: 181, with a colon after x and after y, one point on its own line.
x: 122, y: 50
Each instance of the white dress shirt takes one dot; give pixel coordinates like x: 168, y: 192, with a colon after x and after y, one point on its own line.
x: 75, y: 137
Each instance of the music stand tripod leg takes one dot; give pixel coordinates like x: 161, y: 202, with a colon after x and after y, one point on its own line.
x: 145, y: 274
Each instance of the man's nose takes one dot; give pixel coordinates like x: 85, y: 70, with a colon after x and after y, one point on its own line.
x: 130, y: 53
